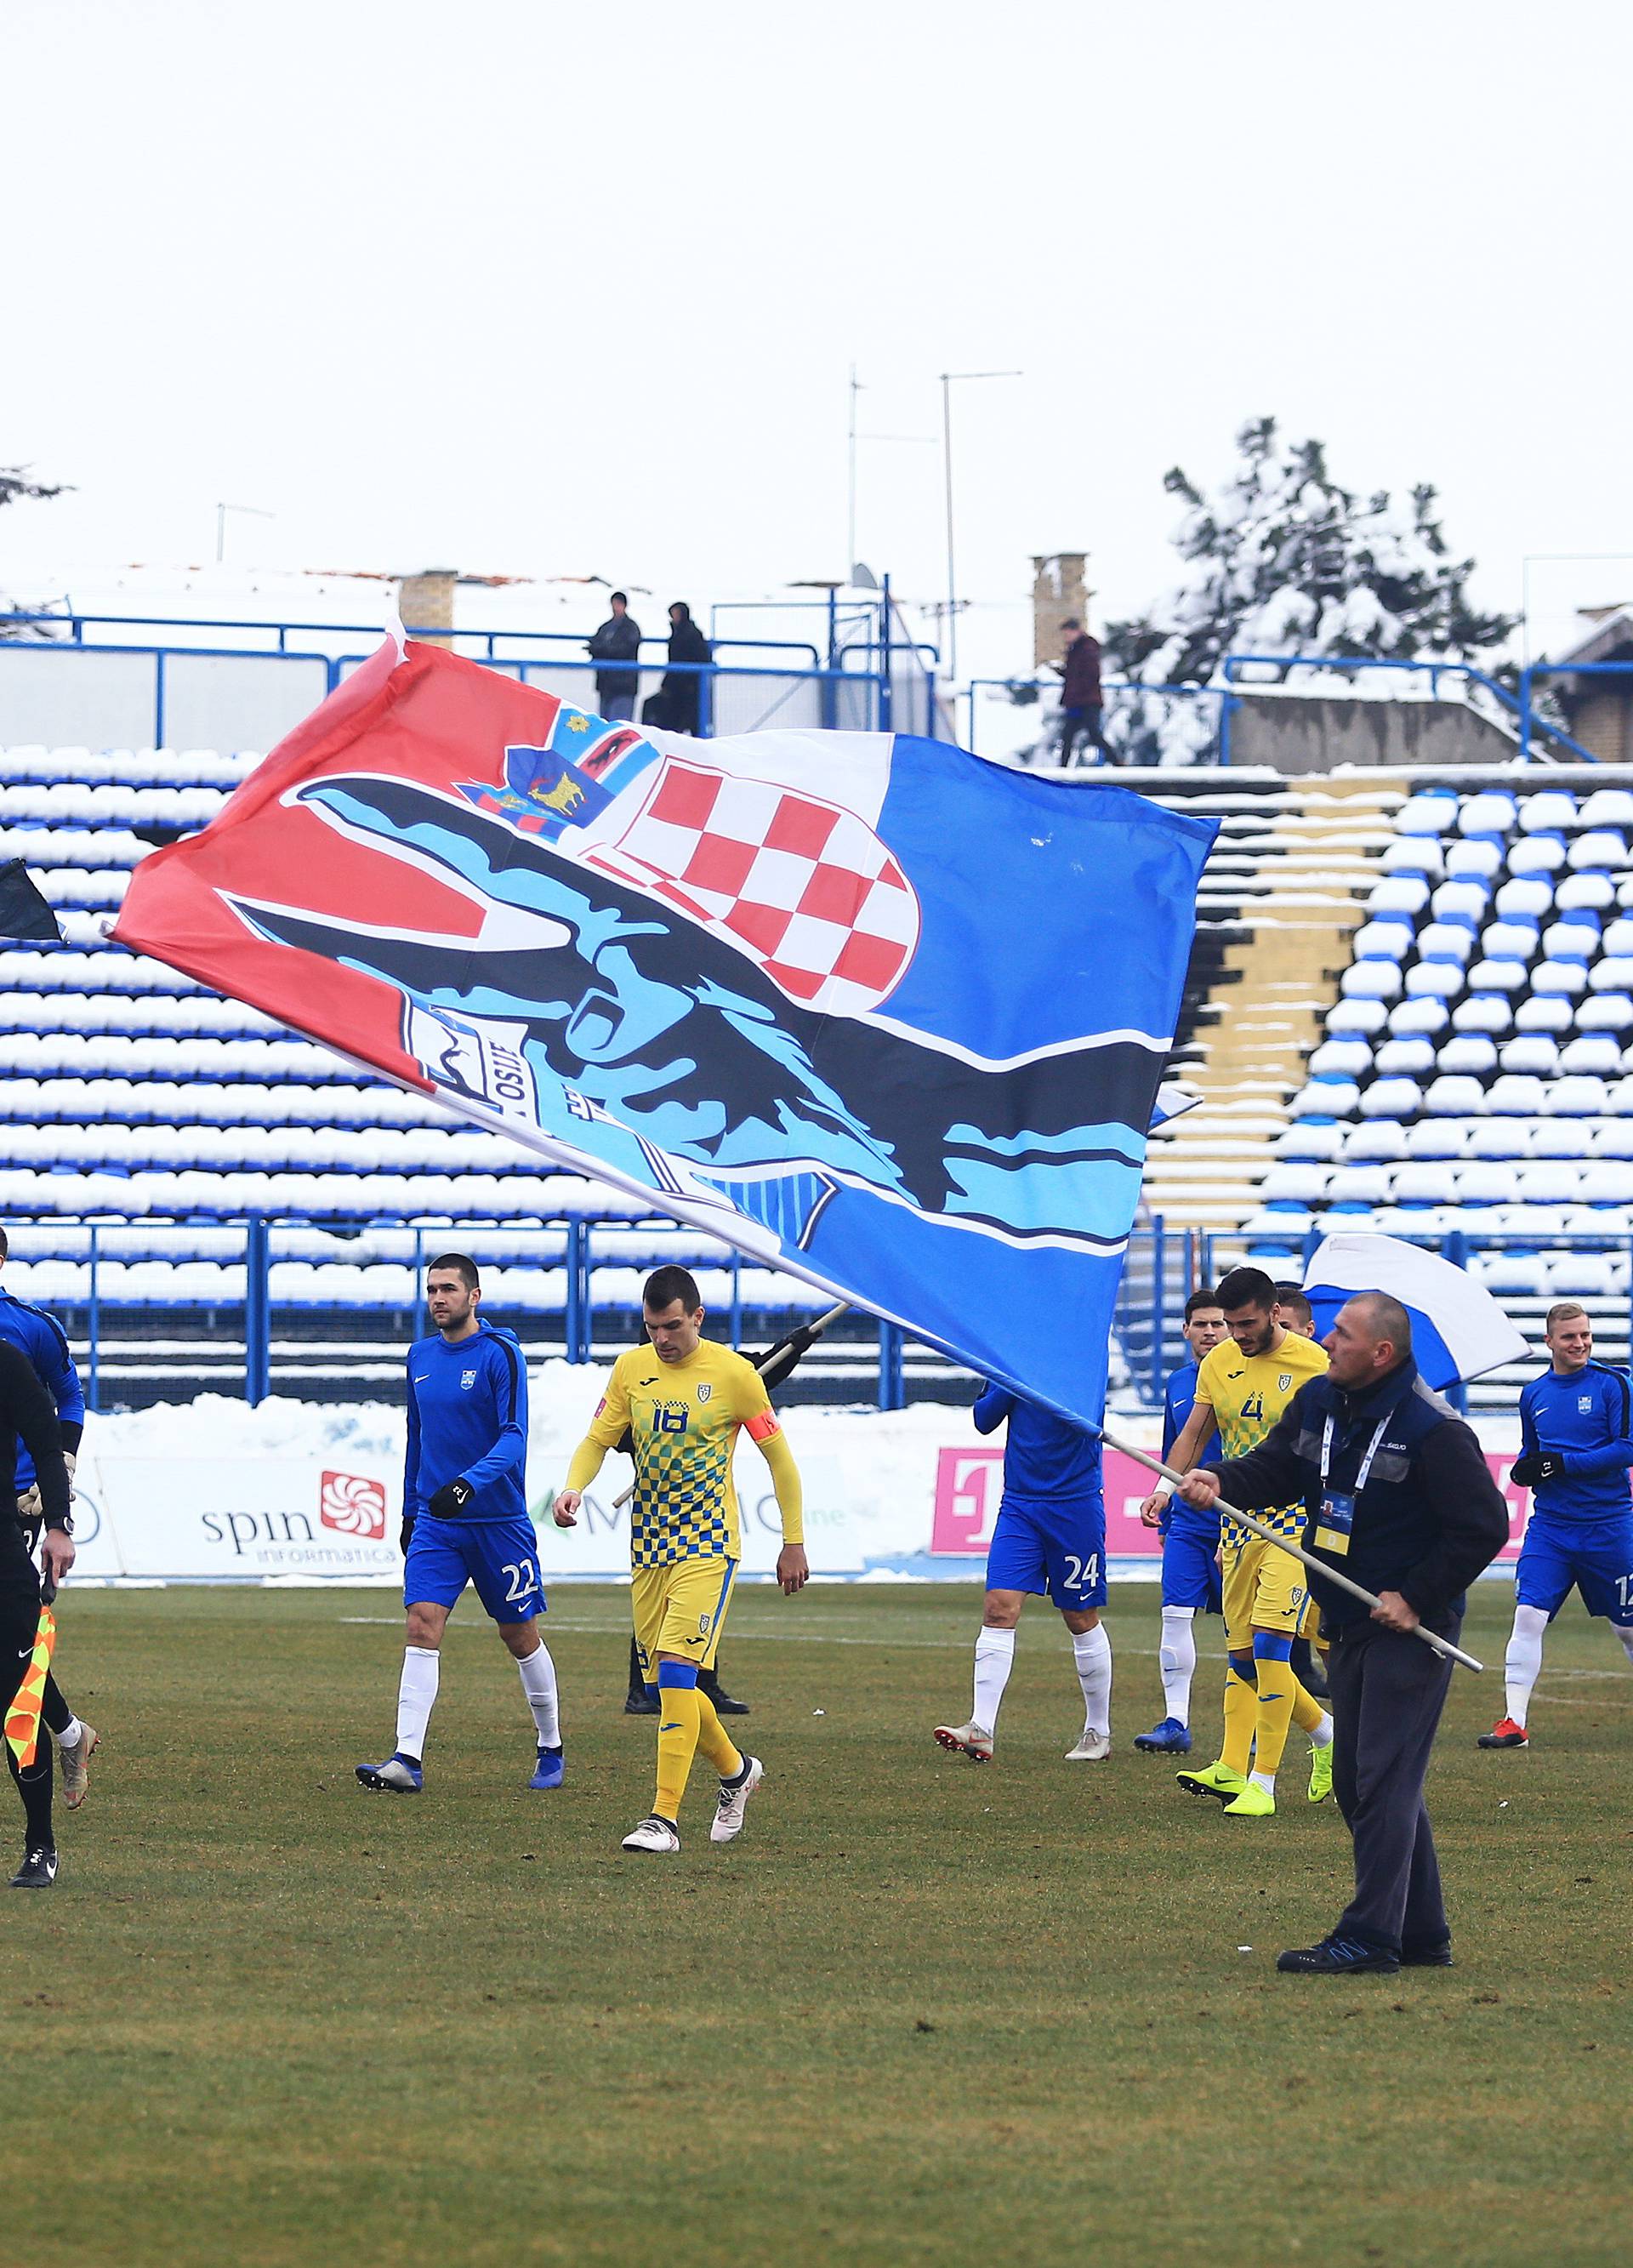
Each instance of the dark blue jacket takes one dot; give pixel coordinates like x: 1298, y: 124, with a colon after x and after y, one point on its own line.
x: 1430, y: 1517
x: 1045, y: 1460
x: 41, y: 1338
x: 468, y: 1420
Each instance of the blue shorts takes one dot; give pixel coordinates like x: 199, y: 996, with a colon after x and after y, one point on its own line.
x: 1597, y: 1560
x: 1055, y: 1549
x: 500, y: 1557
x: 1190, y: 1564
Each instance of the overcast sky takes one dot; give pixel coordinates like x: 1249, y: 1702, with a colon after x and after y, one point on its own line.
x: 568, y: 289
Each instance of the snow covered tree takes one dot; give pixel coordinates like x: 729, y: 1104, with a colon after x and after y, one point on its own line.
x: 1282, y: 560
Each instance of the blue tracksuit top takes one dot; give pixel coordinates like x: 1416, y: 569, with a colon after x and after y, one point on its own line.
x: 41, y: 1338
x: 1044, y: 1459
x: 468, y: 1420
x: 1177, y: 1404
x: 1586, y: 1418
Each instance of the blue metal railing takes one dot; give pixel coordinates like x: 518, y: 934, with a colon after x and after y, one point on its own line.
x: 1520, y: 706
x: 1226, y: 699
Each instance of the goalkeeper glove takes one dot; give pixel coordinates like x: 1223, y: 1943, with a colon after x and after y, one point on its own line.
x: 451, y: 1499
x: 1544, y: 1466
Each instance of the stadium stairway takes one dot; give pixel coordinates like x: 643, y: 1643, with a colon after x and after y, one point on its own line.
x: 1280, y: 898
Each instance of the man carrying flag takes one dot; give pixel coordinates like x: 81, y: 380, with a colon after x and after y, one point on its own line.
x: 26, y: 1409
x: 683, y: 1400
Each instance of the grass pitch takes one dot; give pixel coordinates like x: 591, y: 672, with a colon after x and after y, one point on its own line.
x: 921, y: 2012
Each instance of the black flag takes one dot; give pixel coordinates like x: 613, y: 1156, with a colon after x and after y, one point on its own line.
x: 24, y: 914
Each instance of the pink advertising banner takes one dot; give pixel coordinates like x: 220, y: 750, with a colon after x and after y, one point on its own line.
x: 970, y: 1482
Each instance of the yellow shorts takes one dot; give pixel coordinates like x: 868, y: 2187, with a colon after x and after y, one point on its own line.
x: 679, y: 1610
x: 1264, y: 1589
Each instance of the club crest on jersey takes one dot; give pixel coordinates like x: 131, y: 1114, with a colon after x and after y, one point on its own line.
x: 467, y: 1379
x: 705, y: 1390
x: 1284, y: 1381
x: 1585, y: 1404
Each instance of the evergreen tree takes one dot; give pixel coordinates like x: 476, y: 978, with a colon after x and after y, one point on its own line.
x: 1282, y: 560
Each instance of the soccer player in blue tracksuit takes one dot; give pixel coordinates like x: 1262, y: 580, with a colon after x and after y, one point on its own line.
x: 1049, y: 1539
x: 1575, y: 1425
x: 1190, y: 1539
x: 42, y: 1339
x: 465, y: 1518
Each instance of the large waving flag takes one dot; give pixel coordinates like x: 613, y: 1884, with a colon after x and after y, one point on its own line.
x: 1458, y: 1330
x: 868, y: 1008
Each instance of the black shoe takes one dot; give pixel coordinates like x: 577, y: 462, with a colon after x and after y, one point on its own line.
x: 638, y: 1702
x: 1427, y: 1956
x: 724, y: 1705
x: 38, y: 1870
x: 1338, y: 1956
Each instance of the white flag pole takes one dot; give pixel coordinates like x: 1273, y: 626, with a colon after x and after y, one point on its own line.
x: 1430, y: 1638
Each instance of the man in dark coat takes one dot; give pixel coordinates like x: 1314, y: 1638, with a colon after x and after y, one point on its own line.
x: 618, y: 640
x: 1397, y: 1494
x: 1080, y: 693
x: 676, y: 706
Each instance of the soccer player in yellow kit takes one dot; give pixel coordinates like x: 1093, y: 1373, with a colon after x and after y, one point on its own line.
x: 683, y: 1400
x: 1243, y: 1387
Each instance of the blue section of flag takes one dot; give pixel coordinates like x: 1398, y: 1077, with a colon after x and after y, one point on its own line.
x: 1436, y: 1364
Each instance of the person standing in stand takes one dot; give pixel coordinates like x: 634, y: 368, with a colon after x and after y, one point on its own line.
x: 1080, y: 701
x: 617, y: 640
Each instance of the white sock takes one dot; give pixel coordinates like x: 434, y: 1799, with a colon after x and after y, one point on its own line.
x: 1265, y: 1780
x: 1092, y: 1651
x: 1176, y: 1657
x: 1321, y: 1736
x: 1523, y: 1661
x: 71, y: 1731
x: 994, y: 1657
x: 416, y: 1694
x: 539, y: 1684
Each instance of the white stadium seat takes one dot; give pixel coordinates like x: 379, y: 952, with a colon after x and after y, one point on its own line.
x: 1494, y: 810
x: 1298, y: 1183
x: 1552, y: 811
x: 1570, y: 940
x: 1481, y: 859
x: 1406, y: 894
x: 1483, y: 1011
x: 1414, y: 854
x: 1577, y: 1097
x: 1607, y: 1180
x: 1423, y: 1014
x: 1455, y: 1096
x: 1405, y: 1058
x: 1508, y: 940
x: 1340, y: 1058
x: 1600, y: 851
x: 1541, y: 1014
x: 1527, y: 898
x: 1432, y: 980
x: 1485, y: 1181
x: 1348, y: 1015
x: 1471, y: 1052
x: 1374, y: 1142
x: 1426, y: 1183
x: 1566, y: 978
x: 1431, y: 811
x: 1591, y: 893
x: 1438, y: 1137
x: 1506, y: 976
x: 1597, y: 1053
x: 1536, y: 854
x: 1554, y: 1138
x: 1439, y: 941
x: 1372, y: 980
x: 1310, y: 1142
x: 1384, y: 940
x: 1532, y: 1053
x: 1612, y: 973
x: 1392, y: 1098
x: 1498, y: 1138
x: 1549, y: 1181
x: 1608, y: 806
x: 1327, y: 1098
x: 1460, y: 901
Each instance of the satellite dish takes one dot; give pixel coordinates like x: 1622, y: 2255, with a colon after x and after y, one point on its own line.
x: 863, y: 577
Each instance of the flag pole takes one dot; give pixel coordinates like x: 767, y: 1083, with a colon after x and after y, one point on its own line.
x: 1331, y: 1574
x: 816, y: 1330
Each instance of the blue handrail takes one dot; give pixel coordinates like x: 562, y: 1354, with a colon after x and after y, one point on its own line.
x: 1519, y: 706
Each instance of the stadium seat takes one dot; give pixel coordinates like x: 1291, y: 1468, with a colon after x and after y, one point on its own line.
x: 1497, y: 1137
x: 1471, y: 1052
x: 1410, y: 1057
x: 1431, y: 1139
x: 1439, y: 941
x: 1607, y: 1181
x: 1612, y: 973
x: 1506, y: 976
x: 1536, y: 854
x: 1296, y: 1182
x: 1598, y: 850
x: 1455, y: 1096
x: 1433, y: 811
x: 1608, y: 806
x: 1548, y: 1181
x: 1372, y: 980
x: 1347, y: 1016
x: 1346, y: 1058
x: 1550, y: 811
x: 1375, y: 1142
x: 1585, y: 893
x: 1541, y: 1014
x: 1392, y: 1098
x: 1486, y: 1180
x: 1534, y: 1053
x: 1612, y: 1138
x: 1460, y: 901
x: 1424, y: 1014
x: 1355, y: 1187
x: 1525, y: 898
x: 1597, y: 1053
x: 1481, y: 860
x: 1577, y: 1097
x: 1432, y: 980
x: 1493, y: 810
x: 1483, y: 1011
x: 1413, y: 855
x: 1514, y: 1095
x: 1555, y: 1137
x: 1426, y: 1183
x: 1403, y: 894
x: 1310, y: 1141
x: 1509, y: 940
x: 1566, y: 978
x: 1570, y: 940
x: 1516, y: 1275
x: 1618, y: 938
x: 1382, y: 941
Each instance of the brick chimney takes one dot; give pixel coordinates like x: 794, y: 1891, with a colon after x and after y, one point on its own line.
x: 1058, y: 592
x: 425, y: 603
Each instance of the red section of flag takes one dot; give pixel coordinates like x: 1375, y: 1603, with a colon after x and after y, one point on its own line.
x: 434, y: 717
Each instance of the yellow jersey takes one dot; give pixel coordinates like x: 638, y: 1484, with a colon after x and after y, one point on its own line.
x: 683, y: 1418
x: 1247, y: 1394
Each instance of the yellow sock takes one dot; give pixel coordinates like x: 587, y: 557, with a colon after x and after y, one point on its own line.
x: 1239, y: 1710
x: 714, y: 1743
x: 1307, y: 1711
x: 677, y: 1739
x: 1273, y: 1710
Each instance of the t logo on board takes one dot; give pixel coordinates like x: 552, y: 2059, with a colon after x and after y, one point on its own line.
x: 352, y: 1503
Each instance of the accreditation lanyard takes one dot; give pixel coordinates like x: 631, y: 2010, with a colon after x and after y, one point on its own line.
x: 1335, y: 1519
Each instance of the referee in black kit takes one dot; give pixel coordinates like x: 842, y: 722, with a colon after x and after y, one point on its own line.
x: 26, y: 1408
x: 1397, y: 1496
